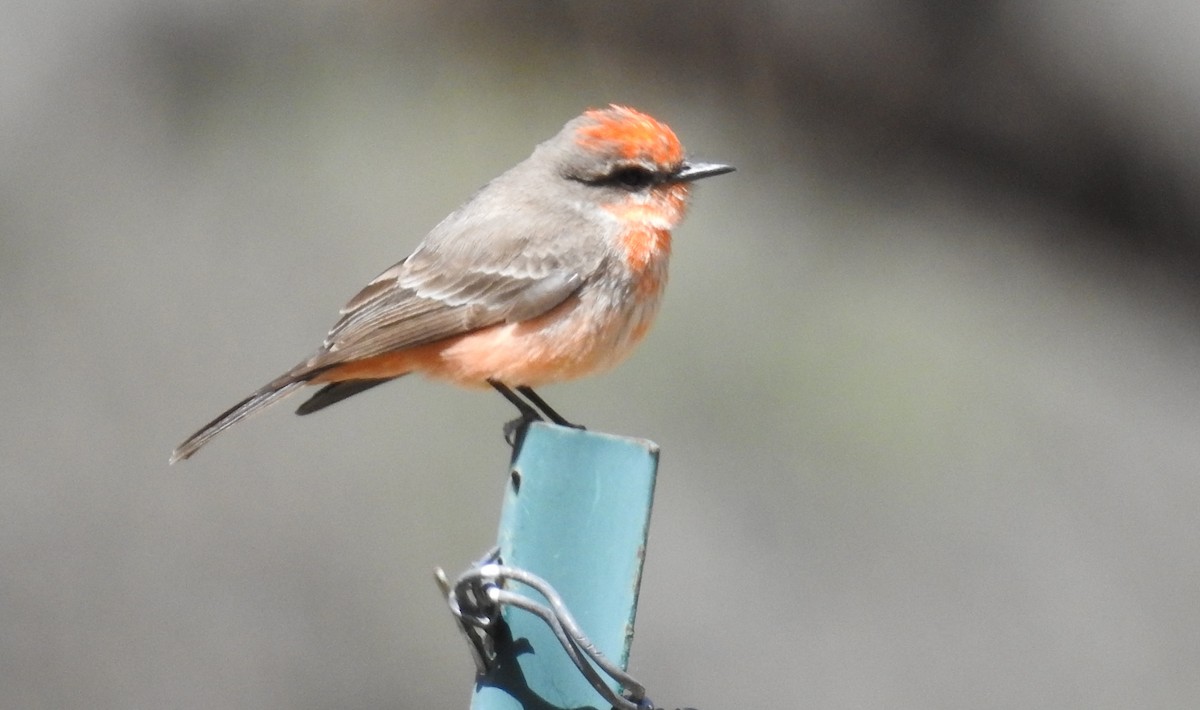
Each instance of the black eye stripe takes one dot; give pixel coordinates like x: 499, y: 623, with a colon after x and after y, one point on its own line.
x: 633, y: 177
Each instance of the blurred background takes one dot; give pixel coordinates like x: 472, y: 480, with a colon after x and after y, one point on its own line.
x: 927, y: 380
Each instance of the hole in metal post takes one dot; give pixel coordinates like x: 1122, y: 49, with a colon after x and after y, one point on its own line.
x: 516, y: 480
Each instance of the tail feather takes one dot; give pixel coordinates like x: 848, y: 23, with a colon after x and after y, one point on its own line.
x: 268, y: 395
x: 335, y: 392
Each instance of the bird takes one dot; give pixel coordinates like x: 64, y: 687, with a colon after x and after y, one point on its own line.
x: 552, y: 271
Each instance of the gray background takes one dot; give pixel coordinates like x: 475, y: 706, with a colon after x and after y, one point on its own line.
x: 926, y: 381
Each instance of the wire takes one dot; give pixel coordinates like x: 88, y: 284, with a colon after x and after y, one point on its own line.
x: 477, y: 598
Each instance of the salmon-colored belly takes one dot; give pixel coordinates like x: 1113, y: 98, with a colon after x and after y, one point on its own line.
x: 566, y: 343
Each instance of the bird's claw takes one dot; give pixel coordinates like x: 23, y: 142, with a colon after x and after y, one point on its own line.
x: 514, y: 431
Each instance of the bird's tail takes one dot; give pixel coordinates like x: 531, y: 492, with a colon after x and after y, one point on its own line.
x: 335, y: 392
x: 264, y: 397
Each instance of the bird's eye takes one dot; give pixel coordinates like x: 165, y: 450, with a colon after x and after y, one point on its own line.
x: 633, y: 177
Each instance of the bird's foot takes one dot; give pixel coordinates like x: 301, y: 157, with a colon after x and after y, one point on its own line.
x: 514, y: 431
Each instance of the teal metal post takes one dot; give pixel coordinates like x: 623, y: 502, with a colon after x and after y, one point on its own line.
x: 576, y: 513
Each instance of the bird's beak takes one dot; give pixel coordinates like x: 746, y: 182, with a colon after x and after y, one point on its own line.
x: 694, y: 171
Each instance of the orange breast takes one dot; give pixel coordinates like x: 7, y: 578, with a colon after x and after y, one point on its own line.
x: 580, y: 337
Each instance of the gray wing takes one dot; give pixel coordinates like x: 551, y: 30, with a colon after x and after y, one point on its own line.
x: 451, y: 286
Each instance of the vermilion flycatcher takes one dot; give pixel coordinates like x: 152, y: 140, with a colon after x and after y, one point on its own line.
x: 552, y: 271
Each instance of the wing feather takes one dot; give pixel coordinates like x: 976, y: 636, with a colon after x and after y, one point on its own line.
x: 446, y: 289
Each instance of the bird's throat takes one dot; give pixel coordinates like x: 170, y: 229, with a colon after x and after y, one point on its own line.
x: 644, y: 247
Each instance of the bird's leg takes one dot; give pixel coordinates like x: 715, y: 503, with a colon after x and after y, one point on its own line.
x: 546, y: 408
x: 514, y: 430
x: 528, y: 413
